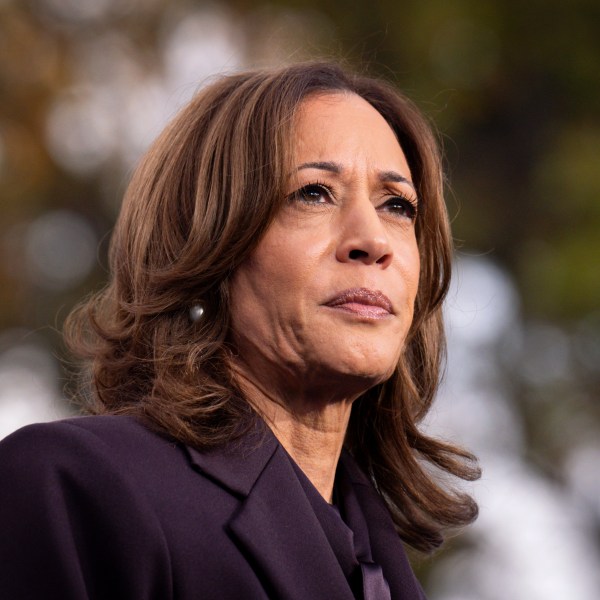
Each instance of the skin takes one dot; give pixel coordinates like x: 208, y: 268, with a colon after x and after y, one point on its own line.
x: 306, y: 350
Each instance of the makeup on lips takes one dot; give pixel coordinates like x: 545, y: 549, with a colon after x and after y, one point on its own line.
x: 363, y: 302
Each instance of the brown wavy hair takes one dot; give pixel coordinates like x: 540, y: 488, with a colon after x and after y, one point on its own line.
x: 196, y: 207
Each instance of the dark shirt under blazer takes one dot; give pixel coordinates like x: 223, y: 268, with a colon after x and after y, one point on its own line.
x: 103, y: 508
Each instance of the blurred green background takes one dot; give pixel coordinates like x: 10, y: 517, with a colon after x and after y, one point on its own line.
x: 514, y: 90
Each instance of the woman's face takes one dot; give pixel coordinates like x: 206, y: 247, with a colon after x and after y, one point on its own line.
x: 326, y: 299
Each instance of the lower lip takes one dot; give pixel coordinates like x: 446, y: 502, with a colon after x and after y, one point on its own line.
x: 362, y: 310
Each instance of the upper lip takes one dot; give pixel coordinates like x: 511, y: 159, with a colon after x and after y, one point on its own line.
x: 362, y: 296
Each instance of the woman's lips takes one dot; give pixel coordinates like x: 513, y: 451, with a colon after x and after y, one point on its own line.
x: 362, y: 302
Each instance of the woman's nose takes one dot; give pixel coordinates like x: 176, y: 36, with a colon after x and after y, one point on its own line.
x: 363, y: 236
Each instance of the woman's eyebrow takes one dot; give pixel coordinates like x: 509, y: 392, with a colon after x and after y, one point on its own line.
x: 324, y: 166
x: 395, y: 178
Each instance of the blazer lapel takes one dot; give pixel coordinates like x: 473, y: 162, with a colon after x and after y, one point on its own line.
x: 386, y: 546
x: 275, y: 526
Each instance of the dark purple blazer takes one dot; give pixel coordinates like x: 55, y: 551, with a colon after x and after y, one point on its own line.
x: 102, y: 508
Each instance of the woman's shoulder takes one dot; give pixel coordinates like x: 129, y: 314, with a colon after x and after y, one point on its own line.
x: 69, y: 485
x: 78, y: 446
x: 81, y: 430
x: 74, y: 426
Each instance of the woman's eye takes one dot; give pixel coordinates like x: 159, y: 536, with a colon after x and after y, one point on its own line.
x: 312, y: 194
x: 403, y: 207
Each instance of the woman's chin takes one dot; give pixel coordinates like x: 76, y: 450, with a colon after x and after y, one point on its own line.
x: 370, y: 361
x: 346, y: 377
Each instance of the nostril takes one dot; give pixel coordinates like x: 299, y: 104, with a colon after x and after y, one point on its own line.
x: 357, y: 254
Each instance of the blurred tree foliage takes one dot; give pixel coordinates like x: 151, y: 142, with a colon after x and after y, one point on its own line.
x: 513, y: 88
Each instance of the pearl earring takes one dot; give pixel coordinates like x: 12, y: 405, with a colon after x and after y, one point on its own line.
x: 196, y: 312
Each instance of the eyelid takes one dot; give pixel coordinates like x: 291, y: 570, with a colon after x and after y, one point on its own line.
x: 316, y: 184
x: 410, y: 198
x: 411, y: 195
x: 400, y: 198
x: 320, y: 184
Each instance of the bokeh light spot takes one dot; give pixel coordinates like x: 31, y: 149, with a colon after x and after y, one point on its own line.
x: 60, y: 250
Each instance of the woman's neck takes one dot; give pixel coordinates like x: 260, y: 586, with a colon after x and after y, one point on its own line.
x: 312, y: 432
x: 313, y: 440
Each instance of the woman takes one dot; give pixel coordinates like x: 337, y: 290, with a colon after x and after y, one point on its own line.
x: 270, y: 337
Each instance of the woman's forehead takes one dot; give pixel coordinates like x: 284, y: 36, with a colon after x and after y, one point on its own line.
x: 344, y: 131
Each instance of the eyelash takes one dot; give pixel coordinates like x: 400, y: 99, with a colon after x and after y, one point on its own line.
x: 405, y: 203
x: 408, y: 205
x: 300, y: 194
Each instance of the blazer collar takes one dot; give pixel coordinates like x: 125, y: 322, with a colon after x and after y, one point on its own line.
x: 238, y: 466
x: 275, y: 525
